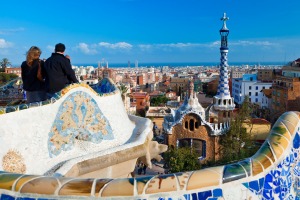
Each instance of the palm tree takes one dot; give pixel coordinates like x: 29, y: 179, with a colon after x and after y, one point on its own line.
x: 123, y: 90
x: 4, y: 63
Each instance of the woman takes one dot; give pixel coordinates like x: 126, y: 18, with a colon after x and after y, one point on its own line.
x: 32, y: 76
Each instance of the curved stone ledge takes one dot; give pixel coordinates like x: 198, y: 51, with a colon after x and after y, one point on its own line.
x: 276, y: 165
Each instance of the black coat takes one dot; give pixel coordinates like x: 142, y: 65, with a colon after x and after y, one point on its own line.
x: 29, y: 76
x: 59, y: 73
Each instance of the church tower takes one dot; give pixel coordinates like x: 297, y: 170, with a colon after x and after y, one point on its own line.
x: 223, y: 103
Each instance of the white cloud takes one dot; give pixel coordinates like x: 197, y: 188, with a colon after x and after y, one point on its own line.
x: 50, y: 48
x: 85, y: 48
x: 118, y: 45
x: 252, y: 43
x: 178, y: 45
x: 5, y: 44
x: 9, y: 31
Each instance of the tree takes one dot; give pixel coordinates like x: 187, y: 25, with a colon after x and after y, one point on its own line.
x: 6, y: 77
x: 159, y: 100
x: 181, y: 159
x: 4, y: 63
x: 123, y: 90
x: 237, y: 144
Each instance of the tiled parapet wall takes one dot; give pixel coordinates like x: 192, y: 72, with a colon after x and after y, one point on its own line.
x: 272, y: 173
x: 78, y: 122
x: 103, y: 88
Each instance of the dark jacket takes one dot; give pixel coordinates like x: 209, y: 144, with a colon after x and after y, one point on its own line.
x: 59, y: 73
x: 29, y: 76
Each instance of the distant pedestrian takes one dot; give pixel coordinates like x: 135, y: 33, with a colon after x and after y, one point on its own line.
x: 144, y: 169
x: 140, y: 168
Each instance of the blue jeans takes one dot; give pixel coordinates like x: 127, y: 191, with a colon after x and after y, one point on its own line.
x: 35, y: 96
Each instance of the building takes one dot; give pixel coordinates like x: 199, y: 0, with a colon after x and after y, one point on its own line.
x: 13, y: 70
x: 265, y: 75
x: 237, y: 73
x: 286, y: 90
x: 249, y: 86
x: 193, y: 126
x: 141, y: 100
x: 285, y: 96
x: 179, y: 85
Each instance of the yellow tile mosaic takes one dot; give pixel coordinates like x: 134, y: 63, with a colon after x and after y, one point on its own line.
x: 203, y: 178
x: 163, y: 183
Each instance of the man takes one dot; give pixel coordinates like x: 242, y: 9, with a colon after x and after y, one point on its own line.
x: 59, y: 72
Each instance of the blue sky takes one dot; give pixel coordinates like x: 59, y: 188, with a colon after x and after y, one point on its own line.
x: 151, y: 30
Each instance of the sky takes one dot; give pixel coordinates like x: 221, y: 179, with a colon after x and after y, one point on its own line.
x: 151, y: 31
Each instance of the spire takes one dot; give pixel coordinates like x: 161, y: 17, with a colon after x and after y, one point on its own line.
x: 223, y: 100
x: 191, y: 87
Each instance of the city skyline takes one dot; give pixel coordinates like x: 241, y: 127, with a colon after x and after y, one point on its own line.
x: 155, y: 31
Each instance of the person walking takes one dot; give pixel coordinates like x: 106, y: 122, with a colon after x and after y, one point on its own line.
x: 59, y: 72
x: 33, y: 74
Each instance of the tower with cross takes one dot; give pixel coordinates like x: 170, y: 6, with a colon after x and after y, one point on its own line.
x: 223, y: 103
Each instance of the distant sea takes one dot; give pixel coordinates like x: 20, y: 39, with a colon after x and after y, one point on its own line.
x: 182, y: 64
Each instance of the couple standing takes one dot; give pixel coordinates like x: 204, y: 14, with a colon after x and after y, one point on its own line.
x: 41, y: 80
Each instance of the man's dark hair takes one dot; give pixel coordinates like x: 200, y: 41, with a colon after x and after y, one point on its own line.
x: 60, y: 47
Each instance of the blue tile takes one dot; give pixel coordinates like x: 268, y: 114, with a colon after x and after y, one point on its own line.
x: 254, y: 185
x: 296, y: 142
x: 194, y: 196
x: 268, y: 194
x: 25, y: 198
x: 204, y: 195
x: 268, y: 181
x: 6, y: 197
x: 186, y: 196
x: 217, y: 193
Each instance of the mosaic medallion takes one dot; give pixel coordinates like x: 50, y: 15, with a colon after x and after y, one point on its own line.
x: 13, y: 161
x: 78, y: 118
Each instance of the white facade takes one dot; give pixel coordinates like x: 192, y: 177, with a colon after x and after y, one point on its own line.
x: 251, y: 88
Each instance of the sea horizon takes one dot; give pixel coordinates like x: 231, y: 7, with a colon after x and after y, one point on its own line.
x: 180, y: 64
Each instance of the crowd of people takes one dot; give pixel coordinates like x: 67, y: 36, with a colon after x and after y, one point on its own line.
x: 43, y: 78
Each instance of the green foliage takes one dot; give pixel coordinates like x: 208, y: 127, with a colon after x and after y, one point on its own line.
x: 237, y: 144
x: 4, y: 77
x: 123, y: 90
x: 5, y: 63
x: 159, y: 100
x: 181, y: 159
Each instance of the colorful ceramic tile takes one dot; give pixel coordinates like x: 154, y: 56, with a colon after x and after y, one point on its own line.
x: 118, y: 187
x: 204, y: 195
x: 296, y: 142
x: 77, y: 187
x: 162, y: 183
x: 246, y: 164
x: 262, y: 154
x: 203, y: 178
x: 141, y: 183
x: 290, y: 120
x: 100, y: 183
x: 23, y: 180
x: 78, y: 118
x: 279, y: 128
x: 217, y: 192
x: 6, y: 197
x: 183, y: 179
x: 277, y: 149
x: 256, y: 167
x: 7, y: 180
x: 43, y: 185
x: 105, y: 86
x: 233, y: 172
